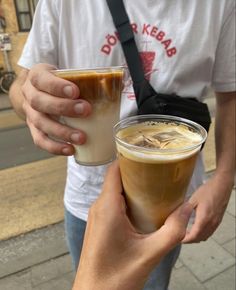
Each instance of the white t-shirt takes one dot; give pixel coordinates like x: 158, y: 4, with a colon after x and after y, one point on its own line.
x: 186, y: 47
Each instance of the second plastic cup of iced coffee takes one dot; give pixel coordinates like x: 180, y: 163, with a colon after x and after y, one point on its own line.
x: 157, y: 155
x: 101, y: 87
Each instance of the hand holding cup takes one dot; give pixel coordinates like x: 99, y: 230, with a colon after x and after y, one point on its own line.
x: 46, y: 99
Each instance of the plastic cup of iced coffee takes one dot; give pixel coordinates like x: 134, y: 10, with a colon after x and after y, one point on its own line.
x: 157, y: 156
x: 102, y: 88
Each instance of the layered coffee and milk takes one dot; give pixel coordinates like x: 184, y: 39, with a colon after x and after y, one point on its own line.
x: 156, y: 159
x: 102, y: 89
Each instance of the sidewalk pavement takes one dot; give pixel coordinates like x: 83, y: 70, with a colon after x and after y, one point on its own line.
x: 4, y: 101
x: 39, y: 260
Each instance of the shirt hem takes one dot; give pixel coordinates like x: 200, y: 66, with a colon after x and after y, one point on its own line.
x: 78, y: 213
x: 221, y: 88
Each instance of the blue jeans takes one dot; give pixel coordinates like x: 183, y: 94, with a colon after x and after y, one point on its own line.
x: 158, y: 279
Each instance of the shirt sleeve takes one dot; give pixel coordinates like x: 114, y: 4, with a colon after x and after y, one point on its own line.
x: 42, y: 43
x: 224, y: 67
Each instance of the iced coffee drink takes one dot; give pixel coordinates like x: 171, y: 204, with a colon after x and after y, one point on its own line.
x: 102, y: 89
x: 157, y: 155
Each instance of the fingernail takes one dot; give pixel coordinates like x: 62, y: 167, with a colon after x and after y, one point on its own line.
x: 66, y: 151
x: 68, y: 91
x: 75, y: 137
x: 79, y: 108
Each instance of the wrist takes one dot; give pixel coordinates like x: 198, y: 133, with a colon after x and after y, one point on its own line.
x: 226, y: 178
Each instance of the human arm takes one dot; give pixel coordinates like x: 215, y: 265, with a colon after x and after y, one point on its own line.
x: 16, y: 94
x: 41, y: 98
x: 211, y: 199
x: 114, y: 255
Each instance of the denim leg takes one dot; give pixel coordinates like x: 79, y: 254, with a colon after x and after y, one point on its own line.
x: 158, y: 279
x: 160, y: 276
x: 75, y: 229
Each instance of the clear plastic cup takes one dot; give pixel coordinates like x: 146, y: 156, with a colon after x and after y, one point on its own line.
x: 157, y: 156
x: 102, y: 88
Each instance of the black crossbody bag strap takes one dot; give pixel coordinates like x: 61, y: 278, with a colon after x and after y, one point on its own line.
x: 148, y: 100
x: 142, y: 87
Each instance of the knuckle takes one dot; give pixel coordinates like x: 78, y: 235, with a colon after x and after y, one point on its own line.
x: 25, y: 107
x: 60, y: 108
x: 41, y: 141
x: 28, y: 122
x: 53, y: 87
x: 27, y: 92
x: 34, y: 117
x: 36, y: 120
x: 33, y: 76
x: 38, y: 140
x: 65, y: 133
x: 51, y: 148
x: 36, y: 72
x: 63, y: 107
x: 33, y: 101
x: 24, y: 89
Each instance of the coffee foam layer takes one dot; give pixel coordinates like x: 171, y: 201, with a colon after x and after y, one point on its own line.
x: 158, y: 141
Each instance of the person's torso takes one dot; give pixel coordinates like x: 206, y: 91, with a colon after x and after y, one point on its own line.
x: 177, y: 40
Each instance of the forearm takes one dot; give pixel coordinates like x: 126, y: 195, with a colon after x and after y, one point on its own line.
x: 225, y: 137
x: 117, y: 280
x: 101, y: 284
x: 92, y: 283
x: 16, y: 94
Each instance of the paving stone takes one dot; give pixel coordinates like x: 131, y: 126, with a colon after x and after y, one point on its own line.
x: 231, y: 206
x: 206, y: 260
x: 183, y: 279
x: 31, y: 249
x: 18, y: 148
x: 226, y: 230
x: 65, y: 282
x: 51, y: 270
x: 178, y: 264
x: 230, y: 247
x: 225, y: 280
x: 9, y: 119
x: 31, y: 196
x: 4, y: 102
x: 20, y: 281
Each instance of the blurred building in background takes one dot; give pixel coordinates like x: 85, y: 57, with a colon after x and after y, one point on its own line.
x: 15, y: 20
